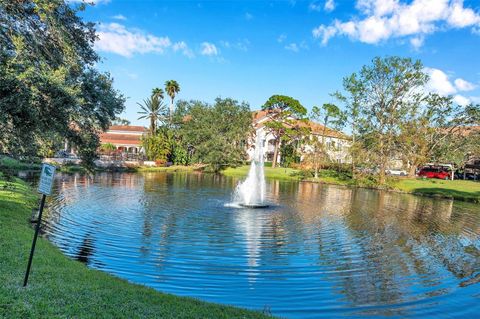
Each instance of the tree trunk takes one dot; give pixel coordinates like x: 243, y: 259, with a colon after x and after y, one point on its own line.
x: 316, y: 171
x: 352, y: 152
x: 381, y: 173
x: 152, y: 126
x: 412, y: 170
x: 275, y: 153
x: 171, y: 110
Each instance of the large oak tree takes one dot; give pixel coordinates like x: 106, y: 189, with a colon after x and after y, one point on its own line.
x: 49, y: 84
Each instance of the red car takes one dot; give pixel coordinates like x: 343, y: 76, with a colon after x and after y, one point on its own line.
x: 435, y: 172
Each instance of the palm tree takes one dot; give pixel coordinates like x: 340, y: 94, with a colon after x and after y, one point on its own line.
x: 172, y: 87
x: 158, y: 92
x: 152, y: 109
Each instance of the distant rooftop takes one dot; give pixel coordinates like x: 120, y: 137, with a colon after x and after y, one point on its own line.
x: 316, y: 128
x: 130, y: 128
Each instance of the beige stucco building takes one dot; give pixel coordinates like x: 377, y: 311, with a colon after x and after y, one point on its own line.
x: 337, y: 143
x: 126, y: 138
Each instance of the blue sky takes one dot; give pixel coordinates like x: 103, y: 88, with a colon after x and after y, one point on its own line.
x: 250, y: 50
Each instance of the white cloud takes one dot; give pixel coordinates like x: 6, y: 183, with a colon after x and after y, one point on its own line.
x: 461, y: 17
x: 314, y: 6
x: 282, y: 37
x: 440, y: 83
x: 248, y: 16
x: 119, y: 17
x: 209, y: 49
x: 380, y: 20
x: 461, y: 100
x: 463, y: 85
x: 417, y: 42
x: 242, y: 45
x: 183, y: 47
x: 116, y: 38
x: 292, y: 47
x: 329, y: 5
x: 325, y: 33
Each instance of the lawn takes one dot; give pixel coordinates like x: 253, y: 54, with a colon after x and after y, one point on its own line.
x: 8, y: 163
x: 457, y: 189
x: 63, y: 288
x: 274, y: 173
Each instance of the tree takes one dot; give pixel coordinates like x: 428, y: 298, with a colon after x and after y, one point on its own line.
x: 154, y: 110
x: 284, y: 113
x: 444, y: 130
x: 158, y: 93
x: 330, y: 116
x: 172, y: 87
x: 426, y: 134
x: 49, y: 84
x: 107, y: 148
x: 385, y: 93
x: 351, y: 115
x: 120, y: 121
x: 216, y: 134
x: 157, y: 146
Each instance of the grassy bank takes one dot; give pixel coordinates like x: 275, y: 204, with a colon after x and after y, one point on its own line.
x: 275, y: 173
x: 173, y: 168
x: 62, y: 288
x: 458, y: 189
x: 11, y: 164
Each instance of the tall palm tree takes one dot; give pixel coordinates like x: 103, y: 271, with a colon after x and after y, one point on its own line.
x: 172, y: 87
x: 152, y: 109
x: 158, y: 92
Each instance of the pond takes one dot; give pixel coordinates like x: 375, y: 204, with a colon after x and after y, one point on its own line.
x: 318, y: 252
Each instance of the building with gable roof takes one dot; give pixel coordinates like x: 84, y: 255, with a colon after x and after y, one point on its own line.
x: 125, y: 138
x: 337, y: 143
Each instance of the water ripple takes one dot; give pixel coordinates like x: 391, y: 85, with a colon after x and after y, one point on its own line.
x: 317, y: 252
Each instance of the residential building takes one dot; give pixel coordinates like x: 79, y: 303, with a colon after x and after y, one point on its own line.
x: 125, y: 138
x: 337, y: 143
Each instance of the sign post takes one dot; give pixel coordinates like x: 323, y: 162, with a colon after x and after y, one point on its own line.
x: 44, y: 188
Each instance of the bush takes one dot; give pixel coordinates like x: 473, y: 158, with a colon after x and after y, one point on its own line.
x: 180, y: 155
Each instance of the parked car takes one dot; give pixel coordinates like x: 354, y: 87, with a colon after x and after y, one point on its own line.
x: 396, y: 172
x: 61, y: 154
x: 435, y: 172
x: 367, y: 170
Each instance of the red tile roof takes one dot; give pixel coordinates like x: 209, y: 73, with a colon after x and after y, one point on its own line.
x: 131, y: 128
x: 467, y: 130
x: 314, y: 127
x: 115, y: 139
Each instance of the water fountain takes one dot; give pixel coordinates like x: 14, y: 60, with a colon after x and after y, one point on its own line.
x: 251, y: 192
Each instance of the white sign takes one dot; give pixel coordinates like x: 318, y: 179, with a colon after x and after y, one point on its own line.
x: 46, y: 179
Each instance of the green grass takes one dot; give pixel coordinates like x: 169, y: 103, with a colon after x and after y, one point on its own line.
x: 8, y: 163
x: 275, y: 173
x: 63, y: 288
x: 71, y: 168
x: 457, y: 189
x: 173, y: 168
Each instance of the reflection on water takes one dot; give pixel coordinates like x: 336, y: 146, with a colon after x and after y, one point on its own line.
x: 319, y: 251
